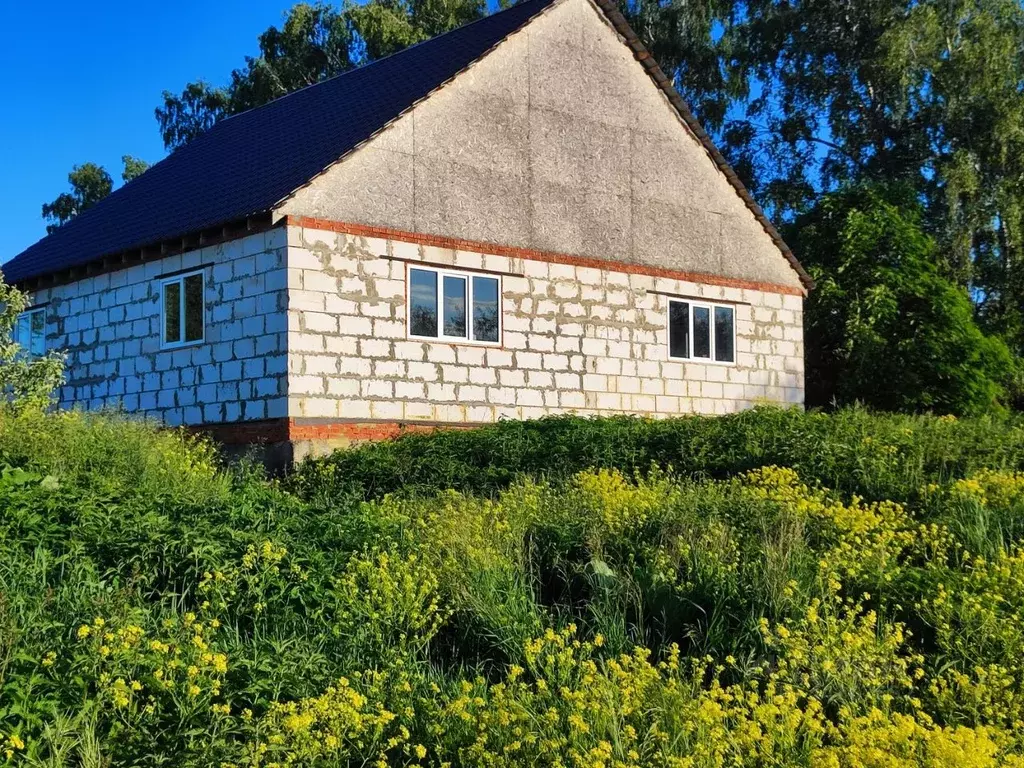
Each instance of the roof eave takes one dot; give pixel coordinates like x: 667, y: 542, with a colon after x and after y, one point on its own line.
x: 214, y: 235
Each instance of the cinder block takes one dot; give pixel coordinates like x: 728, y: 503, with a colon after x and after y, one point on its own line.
x: 377, y: 389
x: 389, y: 368
x: 375, y: 348
x: 423, y: 371
x: 479, y: 375
x: 318, y: 322
x: 470, y: 393
x: 385, y: 409
x: 441, y: 393
x: 410, y: 390
x: 338, y: 387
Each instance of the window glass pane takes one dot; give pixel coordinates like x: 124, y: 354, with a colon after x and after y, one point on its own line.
x: 172, y: 312
x: 485, y: 308
x: 37, y: 334
x: 21, y: 332
x: 454, y: 306
x: 678, y: 329
x: 194, y: 308
x: 422, y: 302
x: 701, y: 332
x: 724, y: 351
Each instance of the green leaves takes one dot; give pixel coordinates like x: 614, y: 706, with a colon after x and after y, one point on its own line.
x: 24, y: 382
x: 884, y: 327
x: 90, y: 183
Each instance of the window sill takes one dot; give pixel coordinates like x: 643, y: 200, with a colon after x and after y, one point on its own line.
x: 702, y: 361
x: 182, y: 344
x: 455, y: 341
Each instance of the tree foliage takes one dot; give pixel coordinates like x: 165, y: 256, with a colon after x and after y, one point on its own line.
x: 133, y: 168
x: 24, y: 382
x: 808, y: 96
x: 90, y: 183
x: 883, y: 326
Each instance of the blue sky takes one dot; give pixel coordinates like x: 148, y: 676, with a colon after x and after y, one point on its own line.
x: 83, y: 80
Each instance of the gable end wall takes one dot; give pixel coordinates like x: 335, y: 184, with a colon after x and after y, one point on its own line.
x: 558, y: 140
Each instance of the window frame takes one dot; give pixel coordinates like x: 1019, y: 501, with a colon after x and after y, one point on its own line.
x: 466, y: 275
x: 710, y: 306
x: 25, y: 350
x: 180, y: 280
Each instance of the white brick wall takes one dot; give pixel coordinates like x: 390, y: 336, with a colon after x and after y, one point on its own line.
x: 306, y: 323
x: 110, y: 326
x: 575, y: 339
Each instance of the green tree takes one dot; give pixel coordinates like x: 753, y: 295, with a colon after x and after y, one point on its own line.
x: 195, y: 110
x: 807, y: 96
x: 315, y: 42
x: 884, y: 327
x: 90, y: 183
x: 24, y: 381
x: 133, y: 168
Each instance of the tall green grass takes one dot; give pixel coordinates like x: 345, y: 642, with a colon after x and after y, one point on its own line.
x: 486, y: 598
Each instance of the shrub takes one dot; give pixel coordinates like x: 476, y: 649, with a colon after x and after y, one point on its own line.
x: 852, y: 451
x: 884, y: 327
x: 24, y: 382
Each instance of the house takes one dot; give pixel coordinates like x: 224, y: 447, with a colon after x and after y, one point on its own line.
x: 520, y: 217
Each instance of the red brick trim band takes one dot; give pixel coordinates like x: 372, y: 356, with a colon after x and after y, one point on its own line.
x: 282, y: 430
x: 515, y: 252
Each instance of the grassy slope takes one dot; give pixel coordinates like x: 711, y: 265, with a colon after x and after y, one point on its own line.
x: 158, y: 609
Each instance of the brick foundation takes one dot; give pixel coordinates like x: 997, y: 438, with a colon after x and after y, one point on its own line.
x: 294, y: 430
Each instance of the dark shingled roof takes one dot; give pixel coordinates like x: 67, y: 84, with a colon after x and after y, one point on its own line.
x: 248, y: 163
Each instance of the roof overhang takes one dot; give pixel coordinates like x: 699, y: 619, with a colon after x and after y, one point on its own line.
x: 230, y: 230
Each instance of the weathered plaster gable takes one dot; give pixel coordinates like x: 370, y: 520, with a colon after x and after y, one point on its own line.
x: 558, y: 141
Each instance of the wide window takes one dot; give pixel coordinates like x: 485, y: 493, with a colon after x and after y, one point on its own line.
x: 698, y: 331
x: 30, y: 332
x: 184, y: 311
x: 458, y: 306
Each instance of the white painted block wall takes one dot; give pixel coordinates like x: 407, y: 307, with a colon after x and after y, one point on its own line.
x: 110, y: 326
x: 576, y: 340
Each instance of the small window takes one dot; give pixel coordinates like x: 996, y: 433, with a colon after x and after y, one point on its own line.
x: 30, y: 332
x: 457, y: 306
x: 184, y: 312
x: 704, y: 332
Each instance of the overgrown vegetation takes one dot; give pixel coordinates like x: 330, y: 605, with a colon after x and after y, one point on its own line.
x: 686, y: 593
x: 883, y: 326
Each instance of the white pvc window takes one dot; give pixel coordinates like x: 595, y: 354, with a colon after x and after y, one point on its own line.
x: 702, y: 332
x: 449, y: 305
x: 183, y: 310
x: 30, y: 332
